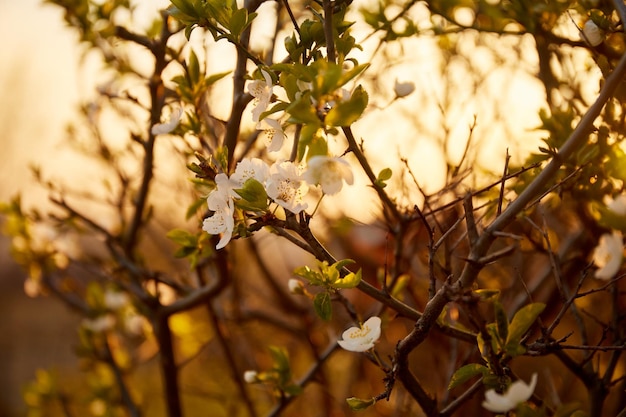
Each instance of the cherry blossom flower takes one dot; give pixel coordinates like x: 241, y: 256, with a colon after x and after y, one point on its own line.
x: 608, y: 255
x: 360, y: 339
x: 592, y: 33
x: 250, y: 168
x: 286, y: 187
x: 221, y: 222
x: 329, y: 172
x: 273, y: 134
x: 516, y: 394
x: 170, y: 125
x: 262, y: 91
x: 403, y: 89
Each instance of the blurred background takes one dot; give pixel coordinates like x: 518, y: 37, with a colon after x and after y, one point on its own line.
x: 39, y: 83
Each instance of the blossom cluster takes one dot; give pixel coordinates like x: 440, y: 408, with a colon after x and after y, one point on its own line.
x: 284, y: 182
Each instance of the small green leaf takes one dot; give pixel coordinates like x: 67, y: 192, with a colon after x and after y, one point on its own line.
x: 185, y: 6
x: 182, y: 237
x: 238, y: 22
x: 347, y: 112
x: 314, y: 277
x: 253, y: 196
x: 211, y: 79
x: 502, y: 322
x: 465, y: 373
x: 521, y: 322
x: 301, y: 111
x: 358, y: 404
x: 323, y: 306
x: 349, y: 281
x: 193, y: 68
x: 383, y: 176
x: 340, y: 264
x: 281, y: 359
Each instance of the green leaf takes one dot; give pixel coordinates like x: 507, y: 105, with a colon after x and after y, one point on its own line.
x: 323, y: 306
x: 502, y: 321
x: 193, y: 68
x: 358, y: 404
x: 339, y: 265
x: 182, y: 237
x: 312, y: 142
x: 521, y: 322
x: 253, y: 196
x: 353, y: 72
x: 301, y: 111
x: 314, y: 277
x: 185, y: 6
x: 281, y: 359
x: 347, y: 112
x: 211, y: 79
x: 383, y: 176
x: 238, y: 22
x: 349, y: 281
x: 465, y: 373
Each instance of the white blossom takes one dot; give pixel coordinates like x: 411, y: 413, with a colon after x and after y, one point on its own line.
x: 286, y: 187
x: 221, y: 222
x: 592, y: 33
x: 250, y: 168
x: 250, y: 376
x: 295, y: 286
x: 360, y: 339
x: 608, y: 255
x: 262, y: 91
x: 167, y: 127
x: 273, y: 134
x: 403, y: 89
x: 516, y: 394
x: 329, y: 172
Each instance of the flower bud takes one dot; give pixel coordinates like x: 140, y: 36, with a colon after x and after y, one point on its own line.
x: 592, y: 34
x: 295, y: 286
x: 250, y: 376
x: 403, y: 89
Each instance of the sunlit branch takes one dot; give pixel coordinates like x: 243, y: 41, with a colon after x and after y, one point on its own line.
x: 354, y: 148
x: 156, y: 89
